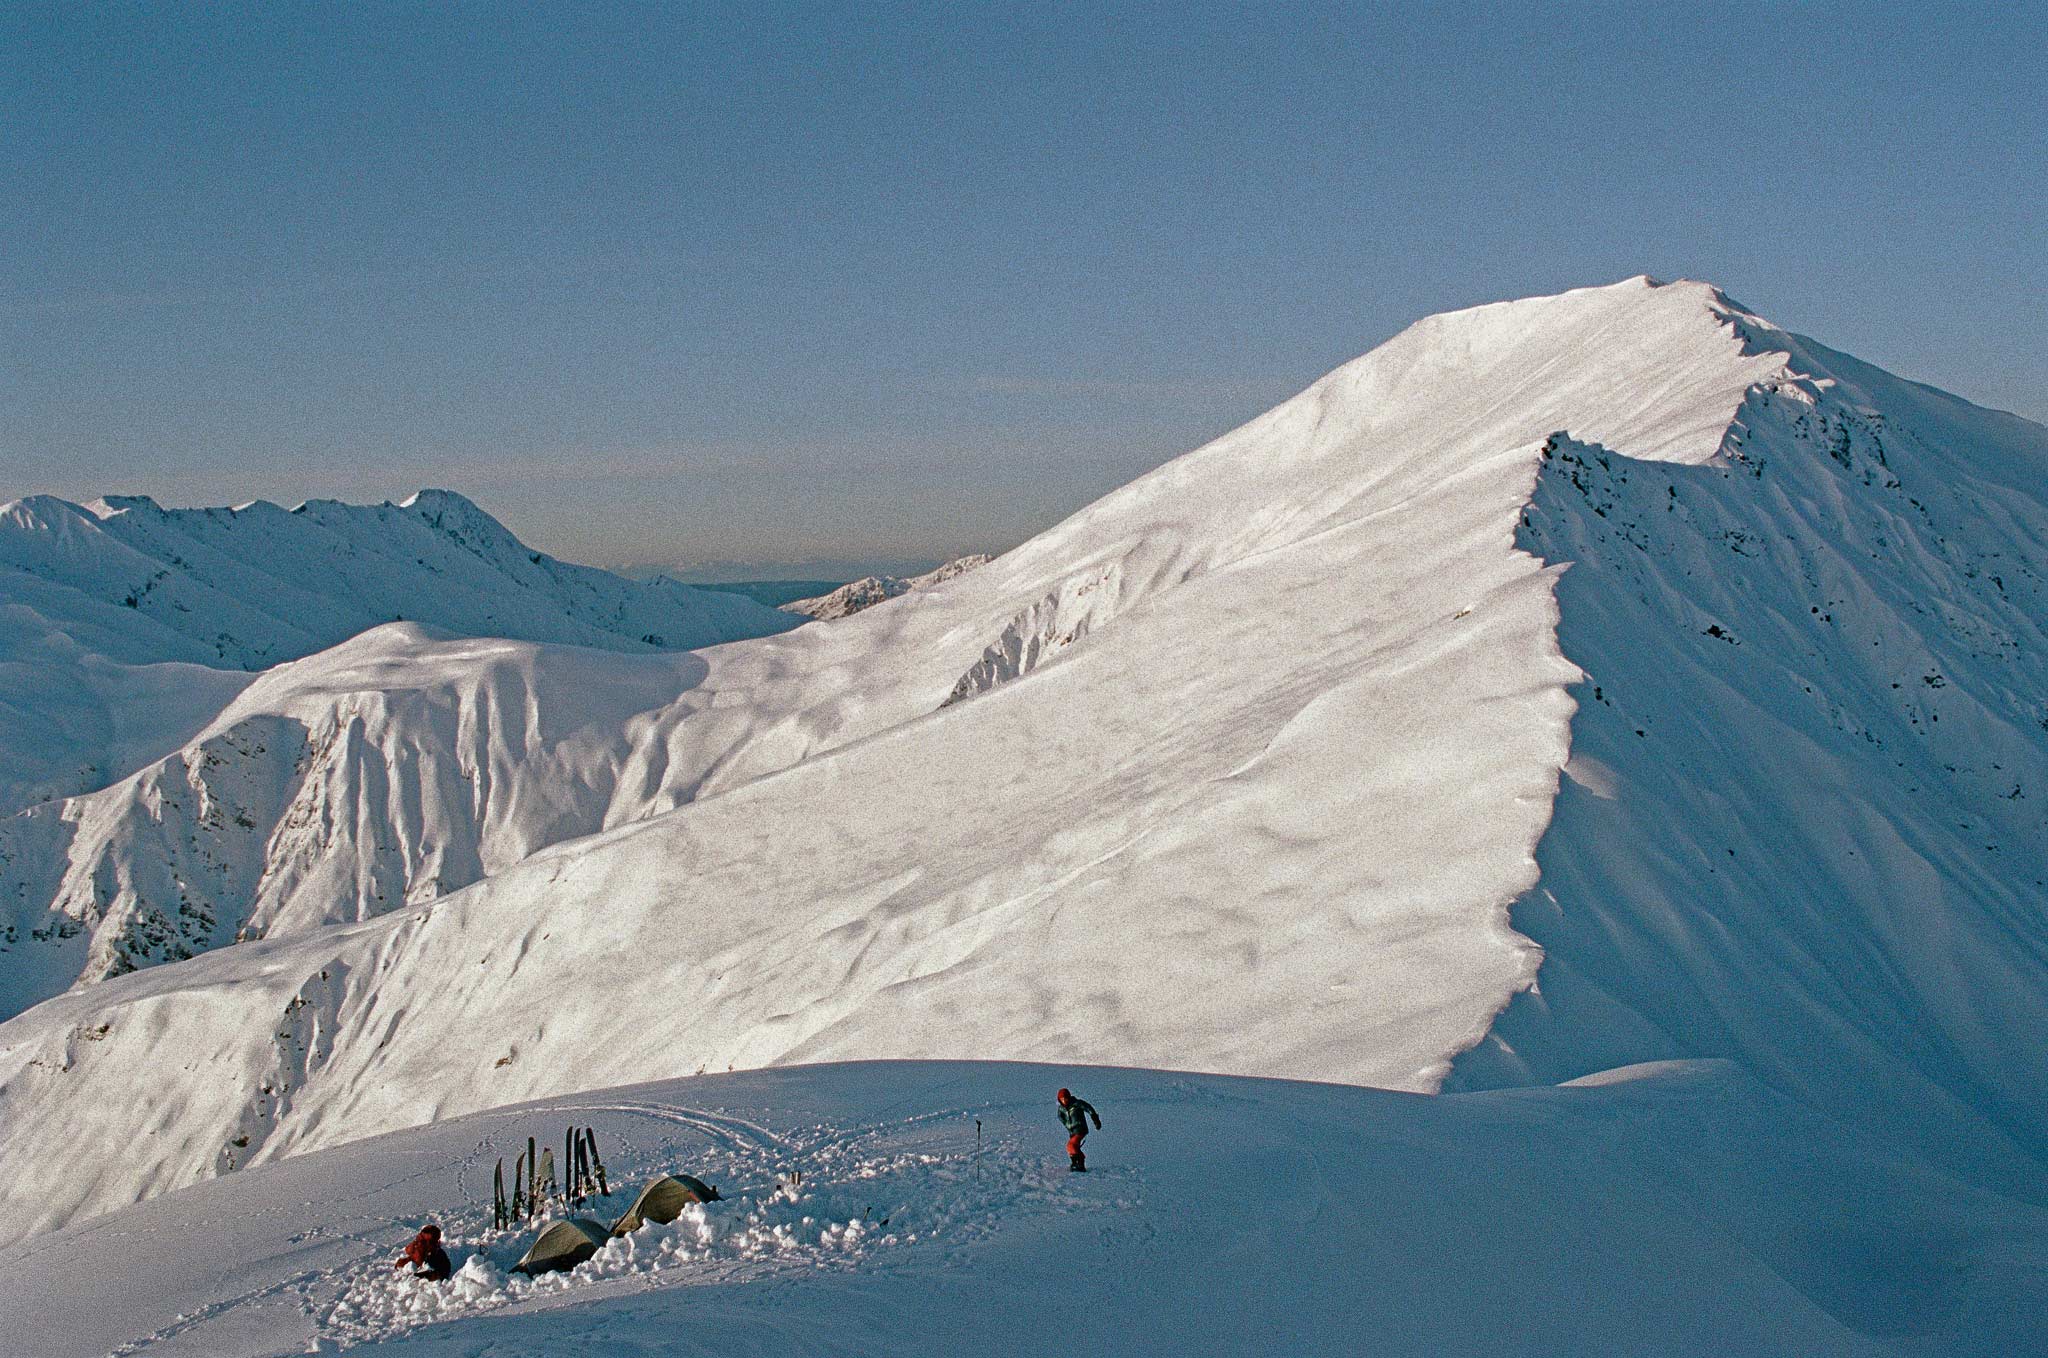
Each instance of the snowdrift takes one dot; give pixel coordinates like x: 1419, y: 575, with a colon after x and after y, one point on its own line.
x: 1254, y: 766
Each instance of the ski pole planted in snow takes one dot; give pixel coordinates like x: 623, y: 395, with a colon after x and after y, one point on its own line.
x: 977, y: 1150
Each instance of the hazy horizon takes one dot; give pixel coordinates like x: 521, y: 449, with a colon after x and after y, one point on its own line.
x: 808, y: 283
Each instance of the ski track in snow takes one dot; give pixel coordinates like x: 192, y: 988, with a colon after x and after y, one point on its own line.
x: 793, y: 1204
x: 1220, y: 1215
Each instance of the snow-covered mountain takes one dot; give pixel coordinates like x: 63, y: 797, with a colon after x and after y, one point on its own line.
x: 870, y: 590
x: 1303, y: 755
x: 762, y: 569
x: 398, y: 766
x: 125, y: 627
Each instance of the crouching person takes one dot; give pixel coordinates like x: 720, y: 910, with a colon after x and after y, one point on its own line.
x: 425, y: 1254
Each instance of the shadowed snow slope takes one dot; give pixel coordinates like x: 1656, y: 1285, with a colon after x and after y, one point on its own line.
x: 118, y: 619
x: 1680, y: 1210
x: 1806, y: 820
x: 1241, y: 769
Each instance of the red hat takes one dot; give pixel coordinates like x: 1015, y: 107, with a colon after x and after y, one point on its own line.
x: 1065, y: 1097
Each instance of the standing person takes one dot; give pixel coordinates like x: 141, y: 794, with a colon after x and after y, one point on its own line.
x: 425, y: 1253
x: 1074, y: 1115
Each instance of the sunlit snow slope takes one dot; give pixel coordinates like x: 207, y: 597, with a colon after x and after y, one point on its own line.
x: 384, y: 772
x: 124, y: 627
x: 870, y: 590
x: 1243, y: 768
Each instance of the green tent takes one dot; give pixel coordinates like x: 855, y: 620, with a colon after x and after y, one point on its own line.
x: 662, y: 1201
x: 562, y: 1246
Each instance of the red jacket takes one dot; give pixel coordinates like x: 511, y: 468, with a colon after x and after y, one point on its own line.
x: 426, y: 1254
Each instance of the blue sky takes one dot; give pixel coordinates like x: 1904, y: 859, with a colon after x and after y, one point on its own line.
x: 665, y: 283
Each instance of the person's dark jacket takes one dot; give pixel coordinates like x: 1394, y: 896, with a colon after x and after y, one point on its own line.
x: 1074, y: 1115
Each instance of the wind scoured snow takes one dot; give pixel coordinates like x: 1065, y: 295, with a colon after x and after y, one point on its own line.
x: 387, y: 771
x: 1812, y: 827
x: 1146, y: 848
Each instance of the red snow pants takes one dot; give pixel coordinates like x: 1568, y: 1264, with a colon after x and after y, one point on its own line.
x: 1074, y: 1143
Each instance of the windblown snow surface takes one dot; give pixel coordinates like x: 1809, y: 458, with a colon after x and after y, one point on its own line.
x: 382, y: 773
x: 1303, y: 756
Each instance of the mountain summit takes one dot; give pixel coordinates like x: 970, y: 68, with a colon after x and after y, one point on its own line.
x: 1569, y: 682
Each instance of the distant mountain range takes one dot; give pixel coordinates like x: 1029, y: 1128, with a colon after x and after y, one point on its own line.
x: 125, y: 627
x: 870, y: 590
x: 776, y: 593
x: 836, y: 570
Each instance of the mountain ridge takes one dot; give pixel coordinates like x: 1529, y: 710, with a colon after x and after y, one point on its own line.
x: 870, y: 590
x: 1265, y: 762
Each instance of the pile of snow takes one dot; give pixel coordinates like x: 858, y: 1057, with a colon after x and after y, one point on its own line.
x: 122, y: 623
x: 786, y: 1226
x: 1254, y: 766
x: 870, y: 590
x: 1683, y: 1209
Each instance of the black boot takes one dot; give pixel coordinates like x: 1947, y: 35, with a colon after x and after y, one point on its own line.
x: 1078, y: 1162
